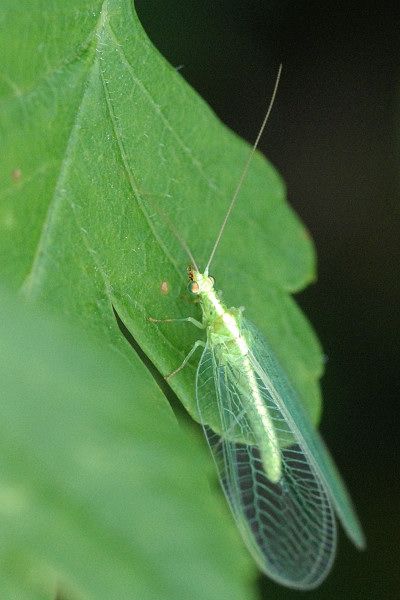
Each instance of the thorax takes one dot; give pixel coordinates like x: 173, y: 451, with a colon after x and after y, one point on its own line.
x: 223, y: 325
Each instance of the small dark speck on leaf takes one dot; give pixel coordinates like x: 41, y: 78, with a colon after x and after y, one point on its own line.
x: 16, y: 175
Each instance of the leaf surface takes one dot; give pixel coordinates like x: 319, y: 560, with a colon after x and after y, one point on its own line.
x: 109, y: 155
x: 99, y: 496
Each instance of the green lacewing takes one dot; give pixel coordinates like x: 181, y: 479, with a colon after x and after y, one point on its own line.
x: 278, y: 477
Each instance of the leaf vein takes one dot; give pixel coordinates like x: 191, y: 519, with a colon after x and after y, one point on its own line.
x: 157, y: 109
x: 37, y: 268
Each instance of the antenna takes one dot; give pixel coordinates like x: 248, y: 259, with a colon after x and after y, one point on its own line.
x: 173, y: 229
x: 245, y: 170
x: 182, y: 242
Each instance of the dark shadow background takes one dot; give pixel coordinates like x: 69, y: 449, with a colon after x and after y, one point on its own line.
x: 334, y: 136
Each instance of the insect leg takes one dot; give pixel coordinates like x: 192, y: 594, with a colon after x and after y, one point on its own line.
x: 188, y: 319
x: 196, y: 345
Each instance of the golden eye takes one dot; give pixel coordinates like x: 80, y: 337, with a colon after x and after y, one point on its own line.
x: 211, y: 278
x: 193, y: 288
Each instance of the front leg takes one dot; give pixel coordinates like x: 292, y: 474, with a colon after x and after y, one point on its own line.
x: 185, y: 319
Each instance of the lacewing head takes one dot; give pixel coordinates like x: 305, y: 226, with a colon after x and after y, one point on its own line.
x: 199, y: 283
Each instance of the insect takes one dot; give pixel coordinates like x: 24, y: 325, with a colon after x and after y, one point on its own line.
x: 277, y: 475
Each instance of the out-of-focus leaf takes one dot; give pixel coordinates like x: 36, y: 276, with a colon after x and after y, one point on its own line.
x: 102, y: 495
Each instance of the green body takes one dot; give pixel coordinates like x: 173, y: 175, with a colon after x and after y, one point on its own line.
x: 225, y: 335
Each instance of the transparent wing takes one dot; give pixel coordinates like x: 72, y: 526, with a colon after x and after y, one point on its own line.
x: 288, y: 526
x: 275, y: 378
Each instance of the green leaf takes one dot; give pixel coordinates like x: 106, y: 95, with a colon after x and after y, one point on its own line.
x: 106, y: 152
x: 102, y: 495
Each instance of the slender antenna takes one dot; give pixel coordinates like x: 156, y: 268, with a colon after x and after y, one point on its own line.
x: 182, y: 242
x: 177, y: 235
x: 245, y: 170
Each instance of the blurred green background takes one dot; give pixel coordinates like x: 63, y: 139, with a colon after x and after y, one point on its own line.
x: 334, y: 137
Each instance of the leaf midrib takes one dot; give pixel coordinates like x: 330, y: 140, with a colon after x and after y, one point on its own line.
x: 33, y: 277
x: 31, y: 282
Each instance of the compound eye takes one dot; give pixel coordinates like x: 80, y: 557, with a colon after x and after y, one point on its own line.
x: 193, y: 288
x: 211, y: 278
